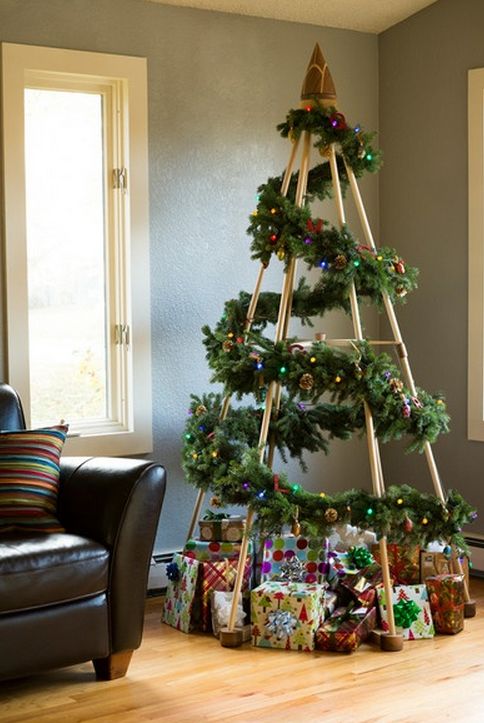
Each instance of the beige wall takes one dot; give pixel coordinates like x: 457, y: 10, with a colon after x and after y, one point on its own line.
x: 423, y: 212
x: 218, y: 85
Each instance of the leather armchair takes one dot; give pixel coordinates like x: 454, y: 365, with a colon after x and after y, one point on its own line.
x: 71, y: 597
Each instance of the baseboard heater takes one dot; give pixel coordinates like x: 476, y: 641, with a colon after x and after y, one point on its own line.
x: 157, y: 579
x: 476, y: 546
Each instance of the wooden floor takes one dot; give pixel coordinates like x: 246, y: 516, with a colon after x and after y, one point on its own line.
x: 176, y: 678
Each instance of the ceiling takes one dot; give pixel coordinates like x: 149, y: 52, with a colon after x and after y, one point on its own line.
x: 370, y: 16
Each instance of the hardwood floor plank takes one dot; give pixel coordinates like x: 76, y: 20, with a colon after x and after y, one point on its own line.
x: 177, y: 678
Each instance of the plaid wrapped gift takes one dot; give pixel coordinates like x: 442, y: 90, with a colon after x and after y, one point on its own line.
x: 279, y: 551
x: 228, y: 529
x: 446, y: 595
x: 404, y: 562
x: 213, y: 551
x: 286, y: 614
x: 219, y: 575
x: 179, y: 609
x: 411, y: 611
x: 363, y: 584
x: 346, y: 629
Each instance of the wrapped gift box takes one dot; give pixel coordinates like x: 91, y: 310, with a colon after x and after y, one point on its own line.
x: 221, y: 607
x: 214, y: 551
x: 279, y: 551
x: 228, y: 529
x: 219, y: 575
x: 404, y: 562
x: 411, y: 611
x: 286, y: 614
x: 346, y: 629
x: 180, y: 608
x: 362, y: 585
x: 434, y: 563
x: 338, y: 565
x: 446, y: 596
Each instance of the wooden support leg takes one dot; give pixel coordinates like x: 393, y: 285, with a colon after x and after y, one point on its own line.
x: 114, y: 666
x: 232, y: 637
x: 390, y: 641
x: 469, y: 605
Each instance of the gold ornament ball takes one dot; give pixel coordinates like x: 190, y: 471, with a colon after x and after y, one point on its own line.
x: 307, y: 381
x: 331, y: 515
x: 215, y: 501
x: 340, y: 261
x: 201, y: 409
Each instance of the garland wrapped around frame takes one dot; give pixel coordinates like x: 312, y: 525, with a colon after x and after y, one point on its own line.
x: 222, y: 455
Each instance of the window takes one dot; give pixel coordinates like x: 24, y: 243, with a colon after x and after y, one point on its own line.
x: 76, y: 241
x: 476, y: 256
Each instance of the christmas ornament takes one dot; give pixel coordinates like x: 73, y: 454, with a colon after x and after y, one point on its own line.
x: 340, y: 261
x: 200, y: 409
x: 401, y: 291
x: 306, y: 382
x: 331, y: 515
x: 407, y: 524
x: 396, y: 385
x: 281, y: 624
x: 399, y: 266
x: 296, y: 527
x: 215, y: 501
x: 227, y: 345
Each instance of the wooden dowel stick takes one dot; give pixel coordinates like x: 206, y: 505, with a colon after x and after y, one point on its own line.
x: 254, y: 299
x: 404, y: 363
x: 392, y: 318
x: 196, y: 513
x: 360, y: 206
x: 240, y: 568
x: 287, y: 174
x: 373, y: 451
x: 387, y: 584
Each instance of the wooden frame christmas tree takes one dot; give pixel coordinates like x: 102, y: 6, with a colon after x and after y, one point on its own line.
x: 222, y: 451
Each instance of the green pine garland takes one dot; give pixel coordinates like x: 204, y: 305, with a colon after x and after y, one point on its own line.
x: 222, y: 454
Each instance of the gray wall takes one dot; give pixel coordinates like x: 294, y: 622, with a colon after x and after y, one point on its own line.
x: 218, y: 85
x: 423, y: 212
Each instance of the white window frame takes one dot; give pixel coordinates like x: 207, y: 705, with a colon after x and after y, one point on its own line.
x: 475, y: 405
x: 123, y: 82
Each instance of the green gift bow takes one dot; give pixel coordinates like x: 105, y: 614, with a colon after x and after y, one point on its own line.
x: 405, y: 613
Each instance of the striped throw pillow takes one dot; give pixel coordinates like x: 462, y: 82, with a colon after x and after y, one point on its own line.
x: 29, y: 479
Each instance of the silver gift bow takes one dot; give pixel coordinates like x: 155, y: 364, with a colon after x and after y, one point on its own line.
x: 281, y: 624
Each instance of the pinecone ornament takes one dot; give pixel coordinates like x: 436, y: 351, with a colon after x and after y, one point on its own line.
x: 306, y: 382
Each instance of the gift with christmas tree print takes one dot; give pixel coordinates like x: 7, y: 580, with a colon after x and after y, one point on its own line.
x: 411, y: 611
x: 446, y: 596
x: 346, y: 629
x: 180, y: 608
x: 286, y: 614
x: 294, y: 559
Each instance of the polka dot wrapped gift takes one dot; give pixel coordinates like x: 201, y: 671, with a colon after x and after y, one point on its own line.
x: 280, y: 551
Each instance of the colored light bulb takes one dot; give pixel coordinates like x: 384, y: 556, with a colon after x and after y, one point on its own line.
x: 356, y: 263
x: 283, y: 370
x: 370, y: 511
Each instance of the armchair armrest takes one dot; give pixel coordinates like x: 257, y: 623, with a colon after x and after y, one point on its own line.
x: 117, y: 502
